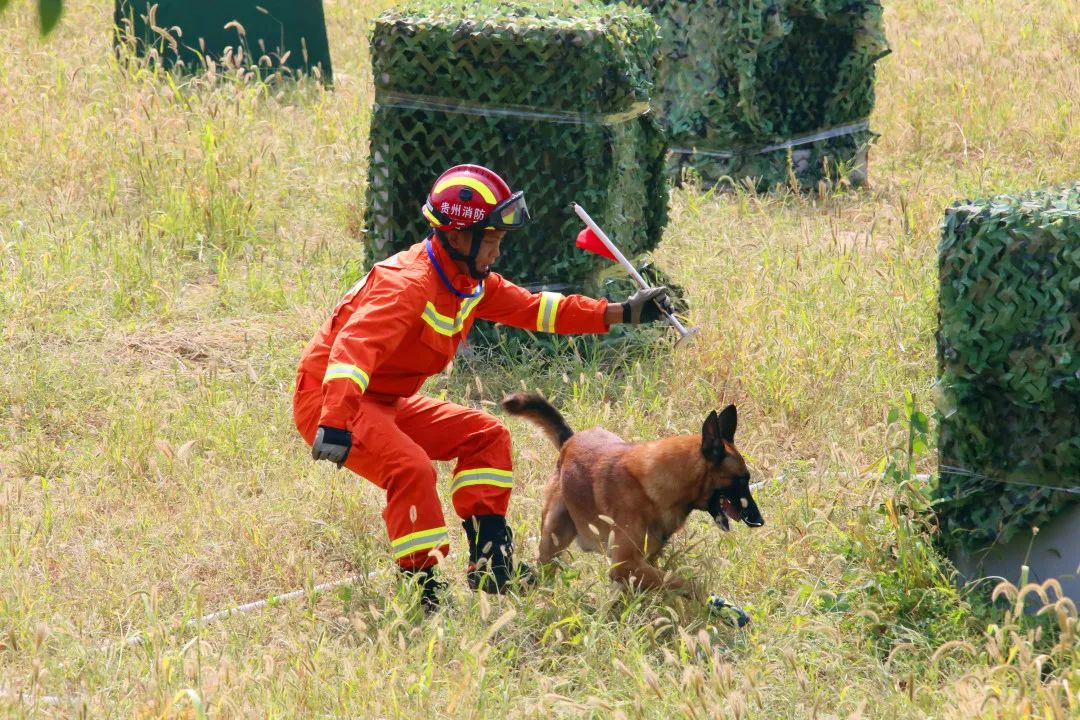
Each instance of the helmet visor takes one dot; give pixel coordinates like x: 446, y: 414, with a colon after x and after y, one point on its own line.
x: 510, y: 214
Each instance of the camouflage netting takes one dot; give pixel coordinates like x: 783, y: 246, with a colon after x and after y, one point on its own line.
x: 740, y: 76
x: 1009, y: 354
x: 551, y: 95
x: 289, y: 34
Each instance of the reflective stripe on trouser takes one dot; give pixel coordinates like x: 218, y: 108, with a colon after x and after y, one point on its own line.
x: 394, y: 442
x: 420, y: 541
x: 482, y: 476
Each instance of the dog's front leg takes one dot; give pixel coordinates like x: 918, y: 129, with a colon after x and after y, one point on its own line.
x: 630, y: 569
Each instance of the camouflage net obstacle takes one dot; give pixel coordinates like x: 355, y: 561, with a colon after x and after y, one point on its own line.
x: 287, y: 36
x: 753, y: 88
x: 1009, y: 355
x: 552, y: 95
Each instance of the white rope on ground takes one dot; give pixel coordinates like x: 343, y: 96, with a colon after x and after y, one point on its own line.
x: 866, y: 476
x: 256, y: 604
x: 213, y: 617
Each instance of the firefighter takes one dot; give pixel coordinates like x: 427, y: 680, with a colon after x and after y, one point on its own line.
x: 356, y: 400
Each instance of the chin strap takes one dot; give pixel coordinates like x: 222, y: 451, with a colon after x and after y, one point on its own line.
x: 474, y: 250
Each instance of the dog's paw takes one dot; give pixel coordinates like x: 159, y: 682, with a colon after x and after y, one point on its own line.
x: 732, y: 615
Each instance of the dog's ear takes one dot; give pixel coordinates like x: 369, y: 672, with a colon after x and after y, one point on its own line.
x: 729, y: 420
x: 712, y: 444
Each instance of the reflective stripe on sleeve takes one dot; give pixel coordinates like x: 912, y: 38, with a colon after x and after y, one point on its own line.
x: 351, y: 372
x: 549, y: 310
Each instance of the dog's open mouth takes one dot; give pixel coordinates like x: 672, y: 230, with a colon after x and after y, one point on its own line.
x: 723, y: 511
x: 727, y: 510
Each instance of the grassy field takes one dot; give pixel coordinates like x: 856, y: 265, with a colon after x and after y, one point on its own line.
x: 166, y: 251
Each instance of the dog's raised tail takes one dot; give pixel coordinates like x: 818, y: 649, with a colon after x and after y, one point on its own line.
x: 536, y: 409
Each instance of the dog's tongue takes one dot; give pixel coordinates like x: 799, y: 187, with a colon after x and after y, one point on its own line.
x: 730, y: 510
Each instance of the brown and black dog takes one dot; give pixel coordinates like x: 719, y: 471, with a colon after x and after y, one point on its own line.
x: 628, y: 499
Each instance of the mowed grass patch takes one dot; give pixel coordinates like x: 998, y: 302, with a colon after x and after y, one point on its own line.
x: 167, y: 246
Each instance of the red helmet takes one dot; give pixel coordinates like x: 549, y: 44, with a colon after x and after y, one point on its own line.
x: 471, y: 196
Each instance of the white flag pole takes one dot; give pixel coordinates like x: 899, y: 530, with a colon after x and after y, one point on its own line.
x: 628, y: 266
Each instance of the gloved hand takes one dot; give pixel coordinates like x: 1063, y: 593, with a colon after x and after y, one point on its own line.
x: 642, y: 307
x: 331, y: 444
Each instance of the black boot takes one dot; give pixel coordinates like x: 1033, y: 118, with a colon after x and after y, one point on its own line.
x: 491, y: 555
x: 431, y: 588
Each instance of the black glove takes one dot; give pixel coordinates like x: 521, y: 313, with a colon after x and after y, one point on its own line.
x: 331, y: 444
x: 644, y: 306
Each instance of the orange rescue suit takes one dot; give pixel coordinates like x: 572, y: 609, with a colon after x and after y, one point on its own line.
x: 395, y: 328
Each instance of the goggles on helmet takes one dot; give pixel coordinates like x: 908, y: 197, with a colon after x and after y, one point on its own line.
x: 510, y: 214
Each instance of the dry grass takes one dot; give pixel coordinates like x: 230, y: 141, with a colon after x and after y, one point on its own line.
x: 166, y: 250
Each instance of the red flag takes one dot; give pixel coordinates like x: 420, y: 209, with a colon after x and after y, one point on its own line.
x: 587, y: 240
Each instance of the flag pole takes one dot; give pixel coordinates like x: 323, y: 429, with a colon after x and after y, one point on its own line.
x: 629, y: 267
